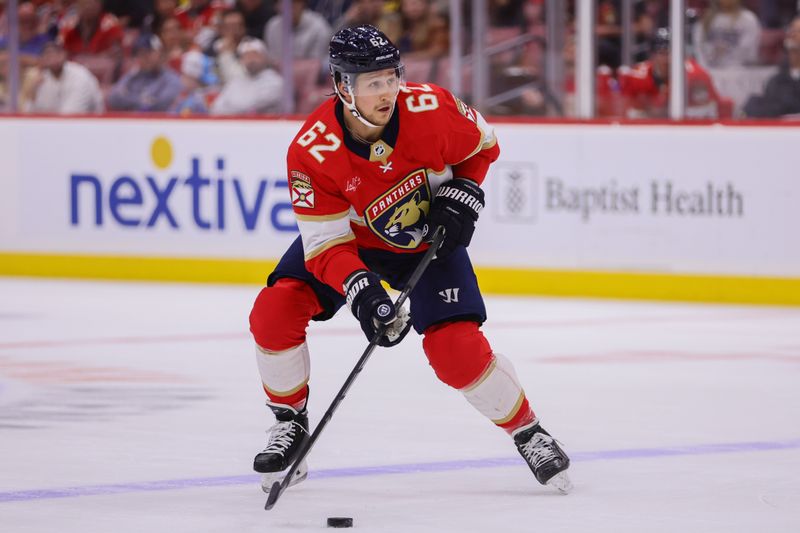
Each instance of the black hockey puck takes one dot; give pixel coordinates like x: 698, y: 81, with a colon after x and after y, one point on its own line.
x: 340, y: 521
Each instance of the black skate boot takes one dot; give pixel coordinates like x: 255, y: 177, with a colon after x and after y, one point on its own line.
x: 286, y: 438
x: 544, y: 456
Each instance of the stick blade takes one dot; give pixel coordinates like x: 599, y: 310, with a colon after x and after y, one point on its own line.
x: 274, y: 494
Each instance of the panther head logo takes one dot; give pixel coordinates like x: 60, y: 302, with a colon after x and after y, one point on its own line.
x: 406, y: 215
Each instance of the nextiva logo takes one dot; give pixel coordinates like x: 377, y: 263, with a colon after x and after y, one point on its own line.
x: 193, y: 196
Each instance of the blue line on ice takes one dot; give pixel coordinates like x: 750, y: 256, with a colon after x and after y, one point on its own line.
x: 440, y: 466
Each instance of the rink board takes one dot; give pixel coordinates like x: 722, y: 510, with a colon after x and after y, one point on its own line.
x: 640, y: 211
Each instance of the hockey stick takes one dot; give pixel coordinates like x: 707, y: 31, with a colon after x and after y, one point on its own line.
x: 278, y: 487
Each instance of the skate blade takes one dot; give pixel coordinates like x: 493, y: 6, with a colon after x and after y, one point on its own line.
x: 269, y: 478
x: 561, y: 483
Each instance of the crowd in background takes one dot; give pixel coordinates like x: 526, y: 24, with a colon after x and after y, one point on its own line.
x: 224, y: 57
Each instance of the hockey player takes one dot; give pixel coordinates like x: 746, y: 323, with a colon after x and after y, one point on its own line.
x: 645, y: 86
x: 372, y: 172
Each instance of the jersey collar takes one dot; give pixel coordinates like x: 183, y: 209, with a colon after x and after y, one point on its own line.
x: 389, y: 135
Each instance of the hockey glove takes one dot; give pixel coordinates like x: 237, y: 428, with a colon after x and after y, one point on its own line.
x: 373, y: 308
x: 457, y: 204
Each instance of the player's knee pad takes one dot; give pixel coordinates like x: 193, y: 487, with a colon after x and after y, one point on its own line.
x: 458, y: 352
x: 281, y: 314
x: 285, y: 374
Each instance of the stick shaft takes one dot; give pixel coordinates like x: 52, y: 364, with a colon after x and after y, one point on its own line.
x: 438, y: 236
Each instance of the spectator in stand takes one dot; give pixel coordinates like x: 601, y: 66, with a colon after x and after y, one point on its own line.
x: 61, y: 86
x: 656, y: 10
x: 151, y: 85
x: 175, y: 41
x: 533, y: 14
x: 609, y: 33
x: 645, y: 86
x: 92, y: 31
x: 536, y: 101
x: 649, y: 15
x: 423, y: 31
x: 31, y: 42
x: 163, y: 10
x: 53, y: 15
x: 199, y: 14
x: 727, y: 36
x: 312, y: 33
x: 198, y: 81
x: 256, y: 15
x: 259, y: 90
x: 782, y: 92
x: 201, y: 17
x: 232, y: 31
x: 372, y: 12
x: 31, y: 39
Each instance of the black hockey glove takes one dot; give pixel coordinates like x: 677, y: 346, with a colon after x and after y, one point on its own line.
x: 457, y: 204
x: 370, y: 304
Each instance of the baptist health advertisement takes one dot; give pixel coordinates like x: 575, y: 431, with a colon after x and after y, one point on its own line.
x: 607, y: 210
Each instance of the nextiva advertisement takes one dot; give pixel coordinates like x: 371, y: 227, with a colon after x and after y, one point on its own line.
x: 674, y: 199
x: 151, y: 187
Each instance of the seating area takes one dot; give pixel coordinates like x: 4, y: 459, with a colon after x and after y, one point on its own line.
x: 515, y: 49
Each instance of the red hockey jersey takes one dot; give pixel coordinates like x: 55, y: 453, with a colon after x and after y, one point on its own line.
x: 644, y: 96
x: 348, y: 195
x: 107, y: 35
x: 206, y: 17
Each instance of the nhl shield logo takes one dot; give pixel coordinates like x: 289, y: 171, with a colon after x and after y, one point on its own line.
x: 380, y: 151
x: 398, y: 215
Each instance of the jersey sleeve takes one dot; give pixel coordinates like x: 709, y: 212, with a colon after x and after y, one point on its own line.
x: 470, y: 143
x: 323, y: 216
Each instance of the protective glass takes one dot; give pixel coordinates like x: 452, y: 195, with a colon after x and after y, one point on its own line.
x: 379, y: 82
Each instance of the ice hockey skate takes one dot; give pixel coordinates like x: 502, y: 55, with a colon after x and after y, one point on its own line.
x: 544, y: 456
x: 284, y: 441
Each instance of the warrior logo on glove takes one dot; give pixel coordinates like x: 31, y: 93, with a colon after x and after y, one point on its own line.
x: 370, y: 304
x: 456, y: 207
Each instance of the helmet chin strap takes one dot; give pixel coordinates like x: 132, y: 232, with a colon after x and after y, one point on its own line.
x: 351, y: 106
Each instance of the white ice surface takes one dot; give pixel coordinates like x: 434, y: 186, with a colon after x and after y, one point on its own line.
x: 105, y: 384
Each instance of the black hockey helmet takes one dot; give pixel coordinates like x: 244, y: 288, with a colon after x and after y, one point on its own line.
x: 661, y: 40
x: 359, y: 50
x: 362, y: 49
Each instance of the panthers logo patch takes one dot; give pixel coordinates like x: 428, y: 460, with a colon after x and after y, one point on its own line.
x: 398, y: 215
